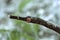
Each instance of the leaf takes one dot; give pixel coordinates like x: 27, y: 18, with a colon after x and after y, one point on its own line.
x: 15, y: 35
x: 18, y: 23
x: 36, y: 27
x: 22, y: 4
x: 27, y: 28
x: 28, y: 37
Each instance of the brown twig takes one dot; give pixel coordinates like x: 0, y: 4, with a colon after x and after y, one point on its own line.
x: 38, y: 21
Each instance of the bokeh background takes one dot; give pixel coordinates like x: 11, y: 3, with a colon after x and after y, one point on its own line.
x: 11, y: 29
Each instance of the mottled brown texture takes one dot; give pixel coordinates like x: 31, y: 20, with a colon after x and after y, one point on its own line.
x: 39, y: 21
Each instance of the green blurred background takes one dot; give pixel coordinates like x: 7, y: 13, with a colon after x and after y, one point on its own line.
x: 11, y: 29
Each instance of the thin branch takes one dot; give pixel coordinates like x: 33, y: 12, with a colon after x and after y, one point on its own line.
x: 38, y: 21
